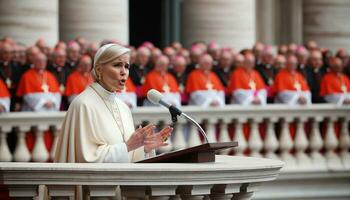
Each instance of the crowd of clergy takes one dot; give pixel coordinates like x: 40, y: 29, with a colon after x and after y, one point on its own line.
x: 46, y: 78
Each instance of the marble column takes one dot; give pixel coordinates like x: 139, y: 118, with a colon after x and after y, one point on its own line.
x: 266, y: 19
x: 27, y: 21
x: 94, y: 20
x: 327, y: 23
x: 230, y: 23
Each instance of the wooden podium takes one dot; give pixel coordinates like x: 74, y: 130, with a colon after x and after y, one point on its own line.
x: 197, y: 154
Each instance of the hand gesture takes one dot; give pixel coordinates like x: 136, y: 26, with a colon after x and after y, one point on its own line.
x: 137, y: 139
x: 156, y: 140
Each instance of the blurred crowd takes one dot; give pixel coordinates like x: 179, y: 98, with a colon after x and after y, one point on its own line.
x: 48, y: 78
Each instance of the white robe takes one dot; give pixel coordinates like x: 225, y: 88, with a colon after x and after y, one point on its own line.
x: 5, y: 102
x: 205, y: 97
x: 246, y: 97
x: 90, y: 133
x: 291, y: 97
x: 337, y: 98
x: 36, y: 101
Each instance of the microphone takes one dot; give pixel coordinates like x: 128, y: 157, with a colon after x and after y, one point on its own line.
x: 155, y: 97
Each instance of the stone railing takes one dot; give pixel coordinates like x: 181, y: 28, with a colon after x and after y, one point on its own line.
x: 313, y: 141
x: 302, y: 136
x: 228, y: 178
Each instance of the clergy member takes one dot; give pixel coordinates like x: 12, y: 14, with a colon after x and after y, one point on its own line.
x: 246, y: 85
x: 203, y: 86
x: 160, y: 79
x: 335, y: 86
x: 98, y: 127
x: 290, y: 86
x: 39, y: 88
x: 79, y: 79
x: 4, y: 98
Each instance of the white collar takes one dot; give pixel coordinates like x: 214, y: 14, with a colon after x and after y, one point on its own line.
x: 105, y: 94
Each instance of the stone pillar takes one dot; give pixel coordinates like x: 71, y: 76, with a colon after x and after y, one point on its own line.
x: 266, y: 19
x: 289, y: 21
x: 94, y: 20
x: 230, y: 23
x: 27, y: 21
x: 327, y: 23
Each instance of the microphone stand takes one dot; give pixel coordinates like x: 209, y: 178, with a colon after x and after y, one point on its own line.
x: 174, y: 112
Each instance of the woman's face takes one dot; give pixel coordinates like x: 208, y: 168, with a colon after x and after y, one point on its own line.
x: 115, y: 73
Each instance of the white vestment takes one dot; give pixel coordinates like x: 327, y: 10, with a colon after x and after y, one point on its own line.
x: 292, y: 97
x: 36, y: 101
x: 206, y: 97
x: 5, y: 101
x: 246, y: 97
x: 337, y: 98
x: 93, y: 129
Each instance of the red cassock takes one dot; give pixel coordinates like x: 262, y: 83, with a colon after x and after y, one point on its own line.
x: 242, y: 79
x: 4, y: 93
x: 199, y: 80
x: 286, y: 80
x: 32, y: 82
x: 333, y: 83
x: 163, y: 83
x: 77, y: 82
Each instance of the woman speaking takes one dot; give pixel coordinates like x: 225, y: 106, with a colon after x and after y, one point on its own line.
x: 98, y: 127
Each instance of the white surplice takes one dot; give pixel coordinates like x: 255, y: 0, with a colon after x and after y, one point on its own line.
x: 337, y: 98
x: 36, y: 101
x: 292, y: 97
x: 5, y: 102
x: 246, y: 97
x: 93, y: 132
x: 206, y: 97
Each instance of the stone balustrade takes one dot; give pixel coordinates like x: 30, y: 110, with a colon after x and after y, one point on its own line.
x: 305, y: 137
x: 313, y: 141
x: 230, y: 177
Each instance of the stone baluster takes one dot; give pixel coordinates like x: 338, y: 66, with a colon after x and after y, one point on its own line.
x: 194, y: 192
x: 239, y: 137
x: 193, y: 136
x: 161, y: 192
x: 24, y: 192
x: 60, y: 192
x: 5, y: 154
x: 270, y: 142
x: 255, y: 142
x: 224, y: 191
x: 286, y: 145
x: 22, y: 153
x: 316, y: 144
x: 40, y: 153
x: 99, y: 191
x: 301, y: 144
x: 211, y: 130
x: 246, y: 191
x: 331, y: 144
x: 344, y: 143
x: 133, y: 192
x: 179, y: 141
x: 224, y: 135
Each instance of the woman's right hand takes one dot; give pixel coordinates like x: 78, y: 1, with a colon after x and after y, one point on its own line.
x: 136, y: 140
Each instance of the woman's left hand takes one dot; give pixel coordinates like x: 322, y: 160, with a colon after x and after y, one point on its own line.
x: 156, y: 140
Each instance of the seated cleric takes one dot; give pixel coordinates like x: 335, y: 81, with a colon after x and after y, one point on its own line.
x: 98, y: 127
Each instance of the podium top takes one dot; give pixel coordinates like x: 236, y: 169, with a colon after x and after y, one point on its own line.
x: 201, y: 153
